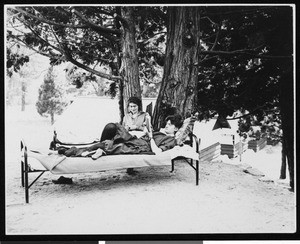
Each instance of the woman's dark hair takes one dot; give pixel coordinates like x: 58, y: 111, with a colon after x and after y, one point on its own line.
x: 136, y: 101
x: 176, y: 120
x: 109, y: 132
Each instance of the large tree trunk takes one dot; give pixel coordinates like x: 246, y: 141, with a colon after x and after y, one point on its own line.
x: 287, y: 117
x: 129, y: 68
x: 287, y: 97
x: 178, y: 88
x: 283, y: 162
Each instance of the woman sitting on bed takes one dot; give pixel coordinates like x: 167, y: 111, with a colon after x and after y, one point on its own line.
x: 135, y: 120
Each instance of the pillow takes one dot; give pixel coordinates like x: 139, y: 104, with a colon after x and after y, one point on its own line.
x: 186, y: 128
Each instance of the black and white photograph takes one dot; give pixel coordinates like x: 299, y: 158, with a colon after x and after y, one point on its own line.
x: 125, y: 120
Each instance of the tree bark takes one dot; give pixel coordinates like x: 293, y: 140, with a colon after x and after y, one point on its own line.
x: 283, y: 162
x: 129, y: 67
x: 118, y: 64
x: 179, y: 83
x: 287, y: 120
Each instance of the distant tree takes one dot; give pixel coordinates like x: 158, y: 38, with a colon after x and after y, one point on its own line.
x: 15, y: 61
x: 24, y: 72
x: 17, y: 85
x: 50, y: 97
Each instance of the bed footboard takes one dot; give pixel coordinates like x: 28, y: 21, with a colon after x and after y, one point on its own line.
x: 193, y: 141
x: 193, y: 163
x: 25, y: 170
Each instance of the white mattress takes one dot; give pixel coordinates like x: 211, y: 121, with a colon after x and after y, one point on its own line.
x: 60, y: 164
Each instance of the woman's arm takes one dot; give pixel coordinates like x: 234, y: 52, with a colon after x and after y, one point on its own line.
x: 125, y: 122
x: 154, y: 147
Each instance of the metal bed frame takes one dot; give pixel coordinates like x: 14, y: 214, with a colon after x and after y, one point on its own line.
x: 26, y: 169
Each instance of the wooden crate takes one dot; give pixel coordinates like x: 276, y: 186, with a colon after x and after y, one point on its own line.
x: 211, y: 152
x: 233, y: 150
x: 257, y: 145
x: 272, y: 142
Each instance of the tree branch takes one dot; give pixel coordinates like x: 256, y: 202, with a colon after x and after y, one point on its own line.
x: 114, y: 15
x: 245, y: 115
x: 209, y: 19
x: 43, y: 40
x: 121, y: 19
x: 214, y: 44
x: 56, y: 38
x: 245, y: 53
x: 35, y: 50
x: 43, y: 20
x: 207, y: 57
x: 101, y: 74
x: 96, y: 27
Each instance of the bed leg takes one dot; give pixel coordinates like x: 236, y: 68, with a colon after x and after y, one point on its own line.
x: 22, y: 166
x: 197, y: 172
x: 26, y: 176
x: 172, y: 161
x: 22, y: 174
x: 26, y: 188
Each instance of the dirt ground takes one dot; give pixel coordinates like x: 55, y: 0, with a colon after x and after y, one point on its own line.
x: 154, y: 201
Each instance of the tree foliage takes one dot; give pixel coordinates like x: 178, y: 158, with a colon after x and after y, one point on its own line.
x: 250, y: 47
x: 247, y: 66
x: 235, y: 66
x: 93, y: 36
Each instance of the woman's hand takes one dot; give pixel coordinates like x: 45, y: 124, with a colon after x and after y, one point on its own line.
x: 133, y: 127
x: 108, y: 144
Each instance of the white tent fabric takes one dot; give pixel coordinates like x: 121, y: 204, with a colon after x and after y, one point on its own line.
x: 204, y: 130
x: 85, y: 118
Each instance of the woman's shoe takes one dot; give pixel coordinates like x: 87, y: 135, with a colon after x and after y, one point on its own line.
x: 131, y: 171
x: 98, y: 153
x: 63, y: 180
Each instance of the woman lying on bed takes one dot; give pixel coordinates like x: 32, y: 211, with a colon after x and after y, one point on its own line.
x: 115, y: 139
